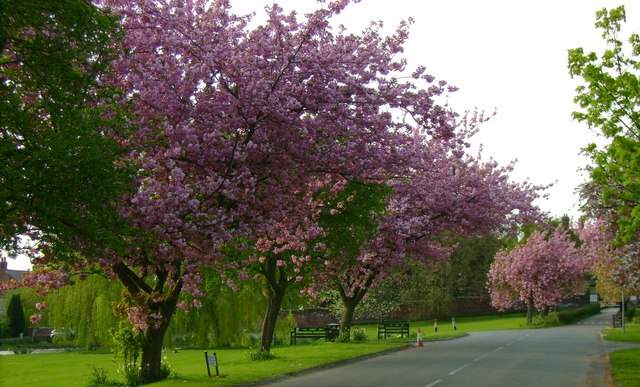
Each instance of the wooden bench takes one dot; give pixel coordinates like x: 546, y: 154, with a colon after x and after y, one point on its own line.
x: 326, y: 333
x: 386, y: 329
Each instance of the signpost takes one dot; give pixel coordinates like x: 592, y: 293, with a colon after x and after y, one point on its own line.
x: 616, y: 321
x: 211, y: 360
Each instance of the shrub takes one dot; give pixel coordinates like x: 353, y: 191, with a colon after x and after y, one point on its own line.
x: 99, y: 377
x: 165, y: 369
x: 550, y: 320
x: 5, y: 330
x: 343, y: 337
x: 127, y: 347
x: 93, y: 344
x: 22, y: 349
x: 261, y: 356
x: 629, y: 312
x: 573, y: 315
x: 359, y: 334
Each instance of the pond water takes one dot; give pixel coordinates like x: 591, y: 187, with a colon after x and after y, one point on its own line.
x: 36, y: 351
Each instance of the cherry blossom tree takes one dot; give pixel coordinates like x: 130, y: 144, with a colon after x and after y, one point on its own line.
x: 237, y: 127
x: 444, y: 193
x: 541, y: 272
x: 278, y: 261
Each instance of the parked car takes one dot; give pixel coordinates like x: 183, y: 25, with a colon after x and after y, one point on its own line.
x: 40, y: 333
x: 62, y: 332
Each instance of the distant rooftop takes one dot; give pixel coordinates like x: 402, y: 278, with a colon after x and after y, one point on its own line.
x: 7, y: 274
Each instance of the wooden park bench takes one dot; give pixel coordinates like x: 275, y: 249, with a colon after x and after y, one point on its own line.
x: 327, y: 333
x: 386, y: 329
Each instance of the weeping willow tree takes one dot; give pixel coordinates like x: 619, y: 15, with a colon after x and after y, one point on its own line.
x: 226, y: 317
x: 87, y: 308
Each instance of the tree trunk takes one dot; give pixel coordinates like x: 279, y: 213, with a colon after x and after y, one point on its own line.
x: 346, y: 320
x: 275, y: 297
x: 151, y: 362
x: 544, y: 312
x: 350, y: 304
x: 530, y: 312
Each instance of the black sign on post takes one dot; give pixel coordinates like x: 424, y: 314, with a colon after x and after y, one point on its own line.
x: 617, y: 320
x: 212, y: 360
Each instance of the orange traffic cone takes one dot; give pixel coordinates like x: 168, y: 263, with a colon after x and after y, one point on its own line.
x: 419, y: 341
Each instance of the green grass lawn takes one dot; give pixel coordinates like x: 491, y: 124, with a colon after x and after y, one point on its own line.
x: 483, y: 323
x: 624, y: 363
x: 624, y: 367
x: 631, y: 334
x: 75, y: 368
x: 463, y: 325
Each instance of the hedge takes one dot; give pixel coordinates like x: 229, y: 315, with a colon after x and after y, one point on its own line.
x: 573, y: 315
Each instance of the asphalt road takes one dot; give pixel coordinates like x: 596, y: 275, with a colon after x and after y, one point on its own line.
x: 566, y: 356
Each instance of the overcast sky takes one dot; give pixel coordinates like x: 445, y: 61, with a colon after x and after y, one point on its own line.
x: 504, y: 55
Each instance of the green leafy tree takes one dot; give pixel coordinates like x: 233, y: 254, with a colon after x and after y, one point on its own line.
x: 59, y: 129
x: 469, y: 264
x: 608, y: 101
x: 347, y: 234
x: 427, y: 289
x: 432, y: 288
x: 15, y: 315
x: 378, y: 304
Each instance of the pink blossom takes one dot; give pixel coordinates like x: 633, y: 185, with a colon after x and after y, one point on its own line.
x: 546, y: 269
x: 232, y: 285
x: 183, y: 305
x: 8, y: 286
x: 35, y: 318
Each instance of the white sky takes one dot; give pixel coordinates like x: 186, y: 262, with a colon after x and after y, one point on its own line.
x: 504, y: 55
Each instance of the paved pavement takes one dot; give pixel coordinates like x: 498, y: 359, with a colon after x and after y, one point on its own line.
x: 566, y: 356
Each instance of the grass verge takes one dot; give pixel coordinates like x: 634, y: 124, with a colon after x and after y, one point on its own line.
x: 631, y: 334
x: 624, y: 363
x: 624, y: 367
